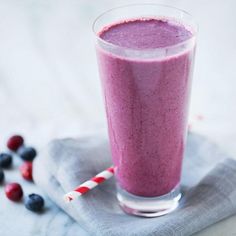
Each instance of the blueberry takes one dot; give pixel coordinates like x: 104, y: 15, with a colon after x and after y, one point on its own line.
x: 34, y: 202
x: 1, y: 175
x: 5, y: 160
x: 27, y: 153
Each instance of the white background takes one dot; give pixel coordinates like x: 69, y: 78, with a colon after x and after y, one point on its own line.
x: 49, y: 85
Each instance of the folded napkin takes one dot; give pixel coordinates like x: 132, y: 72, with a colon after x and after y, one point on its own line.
x: 209, y: 188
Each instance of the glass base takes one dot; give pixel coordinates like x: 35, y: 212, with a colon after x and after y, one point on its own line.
x: 148, y: 206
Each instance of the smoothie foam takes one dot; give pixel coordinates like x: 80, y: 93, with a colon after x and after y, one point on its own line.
x: 146, y: 104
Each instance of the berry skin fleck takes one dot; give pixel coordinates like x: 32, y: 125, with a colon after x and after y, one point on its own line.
x: 1, y: 176
x: 5, y: 160
x: 26, y: 170
x: 15, y: 142
x: 14, y: 192
x: 34, y: 202
x: 27, y: 153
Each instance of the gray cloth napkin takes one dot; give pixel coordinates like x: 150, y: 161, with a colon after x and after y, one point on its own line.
x: 209, y: 188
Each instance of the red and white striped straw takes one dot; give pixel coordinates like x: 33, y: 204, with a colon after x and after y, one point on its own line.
x: 90, y: 184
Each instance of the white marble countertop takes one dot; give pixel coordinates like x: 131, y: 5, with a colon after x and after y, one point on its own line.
x: 49, y: 86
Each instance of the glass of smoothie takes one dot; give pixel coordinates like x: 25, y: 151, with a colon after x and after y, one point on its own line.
x: 145, y: 56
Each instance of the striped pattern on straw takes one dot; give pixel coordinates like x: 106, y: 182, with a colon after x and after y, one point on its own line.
x: 90, y: 184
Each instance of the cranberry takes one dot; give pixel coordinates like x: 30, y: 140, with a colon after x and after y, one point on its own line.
x: 15, y: 142
x: 14, y: 191
x: 26, y: 170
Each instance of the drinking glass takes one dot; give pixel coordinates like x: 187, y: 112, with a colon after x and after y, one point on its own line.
x: 146, y: 95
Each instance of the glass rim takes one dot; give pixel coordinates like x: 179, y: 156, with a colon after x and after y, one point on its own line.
x: 189, y: 40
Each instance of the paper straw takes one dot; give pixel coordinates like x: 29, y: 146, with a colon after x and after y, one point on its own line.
x: 90, y: 184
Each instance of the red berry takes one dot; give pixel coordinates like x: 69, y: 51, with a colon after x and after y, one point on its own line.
x: 26, y: 170
x: 15, y: 142
x: 14, y: 191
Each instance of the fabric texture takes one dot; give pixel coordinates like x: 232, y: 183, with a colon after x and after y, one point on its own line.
x: 208, y: 180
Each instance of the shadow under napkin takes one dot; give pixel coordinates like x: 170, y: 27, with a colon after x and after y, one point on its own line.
x: 66, y: 163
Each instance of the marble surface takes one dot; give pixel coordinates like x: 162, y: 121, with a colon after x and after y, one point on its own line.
x: 49, y: 87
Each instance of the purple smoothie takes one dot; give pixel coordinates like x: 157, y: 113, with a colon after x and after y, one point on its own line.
x: 146, y: 103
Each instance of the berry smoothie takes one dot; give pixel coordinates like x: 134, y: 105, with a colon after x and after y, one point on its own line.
x: 146, y: 102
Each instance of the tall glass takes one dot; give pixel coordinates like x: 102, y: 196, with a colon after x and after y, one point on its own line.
x: 146, y: 93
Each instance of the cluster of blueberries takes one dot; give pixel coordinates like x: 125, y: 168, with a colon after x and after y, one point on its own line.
x: 13, y: 191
